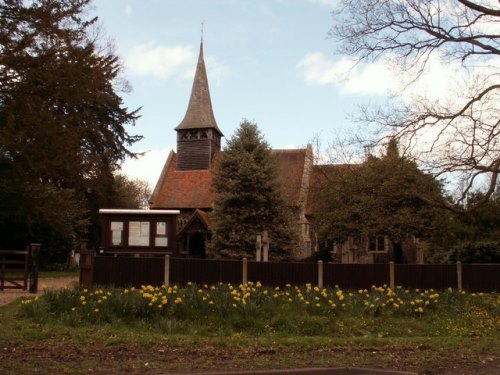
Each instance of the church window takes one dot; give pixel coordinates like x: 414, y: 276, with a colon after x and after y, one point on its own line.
x: 203, y: 134
x: 193, y: 134
x: 378, y: 244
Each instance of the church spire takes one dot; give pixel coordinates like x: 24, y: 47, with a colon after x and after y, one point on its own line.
x: 198, y: 136
x: 199, y: 114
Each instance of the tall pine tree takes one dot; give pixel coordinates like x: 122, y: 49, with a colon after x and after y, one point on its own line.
x: 249, y: 200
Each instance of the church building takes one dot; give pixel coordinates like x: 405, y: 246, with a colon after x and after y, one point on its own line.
x: 185, y: 181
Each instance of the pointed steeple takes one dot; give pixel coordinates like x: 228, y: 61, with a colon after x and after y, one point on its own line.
x: 198, y: 136
x: 199, y: 114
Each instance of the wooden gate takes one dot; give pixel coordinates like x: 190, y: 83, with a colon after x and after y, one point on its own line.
x: 14, y: 266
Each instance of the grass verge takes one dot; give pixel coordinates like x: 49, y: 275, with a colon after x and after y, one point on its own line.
x: 41, y: 337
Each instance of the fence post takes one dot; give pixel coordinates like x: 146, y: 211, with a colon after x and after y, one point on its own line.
x: 166, y: 270
x: 320, y: 274
x: 244, y: 276
x: 265, y: 245
x: 34, y: 261
x: 459, y: 276
x: 392, y: 276
x: 258, y: 248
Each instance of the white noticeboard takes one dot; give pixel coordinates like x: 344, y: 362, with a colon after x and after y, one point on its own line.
x: 161, y: 241
x: 161, y: 229
x: 138, y: 233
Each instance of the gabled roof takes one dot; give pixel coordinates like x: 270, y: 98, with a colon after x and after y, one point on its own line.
x: 199, y: 114
x: 202, y: 216
x: 183, y: 189
x: 192, y: 189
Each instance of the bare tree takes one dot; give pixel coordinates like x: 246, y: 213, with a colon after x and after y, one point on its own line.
x: 456, y: 133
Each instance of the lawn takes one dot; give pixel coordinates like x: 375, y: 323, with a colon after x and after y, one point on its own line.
x: 202, y: 327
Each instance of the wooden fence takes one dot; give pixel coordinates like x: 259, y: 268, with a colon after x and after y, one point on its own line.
x: 130, y: 271
x: 14, y: 269
x: 19, y: 268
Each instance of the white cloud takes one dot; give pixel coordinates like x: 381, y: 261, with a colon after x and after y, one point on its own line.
x: 151, y: 59
x: 128, y: 9
x: 163, y: 62
x: 327, y: 3
x: 364, y: 79
x: 439, y: 79
x: 147, y: 167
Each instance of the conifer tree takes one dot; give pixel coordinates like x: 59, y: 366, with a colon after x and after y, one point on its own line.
x: 249, y: 200
x: 63, y: 126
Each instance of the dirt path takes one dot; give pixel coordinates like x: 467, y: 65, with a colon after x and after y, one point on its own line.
x: 53, y: 283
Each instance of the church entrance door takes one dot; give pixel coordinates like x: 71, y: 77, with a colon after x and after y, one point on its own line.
x: 197, y: 246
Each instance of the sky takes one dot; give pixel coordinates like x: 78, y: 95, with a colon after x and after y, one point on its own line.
x: 268, y: 61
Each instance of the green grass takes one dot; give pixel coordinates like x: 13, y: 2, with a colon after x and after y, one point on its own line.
x: 248, y: 327
x: 43, y: 274
x: 52, y: 274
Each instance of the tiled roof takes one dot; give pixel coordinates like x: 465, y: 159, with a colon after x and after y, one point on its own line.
x: 199, y: 113
x: 182, y: 189
x: 192, y: 189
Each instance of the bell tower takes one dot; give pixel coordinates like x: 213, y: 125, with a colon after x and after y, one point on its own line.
x: 198, y: 136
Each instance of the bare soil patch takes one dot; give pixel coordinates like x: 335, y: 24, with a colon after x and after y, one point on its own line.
x: 163, y: 359
x: 52, y: 283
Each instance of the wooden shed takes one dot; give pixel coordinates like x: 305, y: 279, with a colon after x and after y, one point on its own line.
x: 144, y: 232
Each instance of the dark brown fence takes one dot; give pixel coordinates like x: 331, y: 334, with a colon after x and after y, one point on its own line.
x: 130, y: 271
x: 356, y: 276
x: 280, y: 274
x: 87, y: 269
x: 481, y: 277
x: 14, y: 269
x: 125, y: 271
x: 204, y: 271
x: 426, y: 276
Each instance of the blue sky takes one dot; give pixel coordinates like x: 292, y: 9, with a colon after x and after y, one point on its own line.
x: 268, y: 61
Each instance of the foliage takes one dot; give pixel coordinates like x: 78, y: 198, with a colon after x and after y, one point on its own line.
x: 476, y: 252
x: 471, y: 236
x: 62, y: 124
x: 255, y: 309
x: 381, y: 196
x: 456, y: 133
x: 131, y: 193
x: 248, y: 199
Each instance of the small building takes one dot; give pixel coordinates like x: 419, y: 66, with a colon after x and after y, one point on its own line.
x: 144, y: 232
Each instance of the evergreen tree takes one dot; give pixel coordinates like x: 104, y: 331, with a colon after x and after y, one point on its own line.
x: 62, y: 124
x: 249, y: 200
